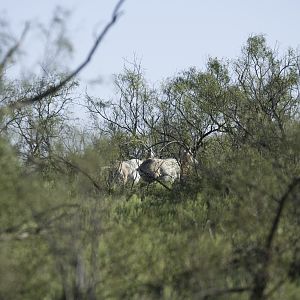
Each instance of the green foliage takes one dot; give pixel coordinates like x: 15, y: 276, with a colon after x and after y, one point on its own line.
x: 229, y: 230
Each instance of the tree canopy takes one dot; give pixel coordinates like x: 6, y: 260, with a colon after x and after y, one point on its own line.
x: 230, y: 230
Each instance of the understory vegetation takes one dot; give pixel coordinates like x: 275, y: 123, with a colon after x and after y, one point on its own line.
x: 229, y: 230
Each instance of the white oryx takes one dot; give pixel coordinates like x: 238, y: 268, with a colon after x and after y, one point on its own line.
x: 124, y: 172
x: 166, y: 170
x: 154, y: 169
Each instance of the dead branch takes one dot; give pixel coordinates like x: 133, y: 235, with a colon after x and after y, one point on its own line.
x: 13, y: 49
x: 27, y: 101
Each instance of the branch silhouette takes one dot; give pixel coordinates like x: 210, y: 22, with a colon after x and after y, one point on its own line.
x: 53, y: 89
x: 261, y: 278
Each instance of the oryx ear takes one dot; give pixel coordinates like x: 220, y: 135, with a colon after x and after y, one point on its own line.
x: 150, y: 153
x: 187, y: 155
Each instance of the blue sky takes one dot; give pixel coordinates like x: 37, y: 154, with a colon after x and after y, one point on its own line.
x: 167, y: 36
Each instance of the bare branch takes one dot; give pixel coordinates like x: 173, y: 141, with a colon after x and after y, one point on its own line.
x: 213, y: 293
x: 78, y: 169
x: 261, y: 278
x: 13, y: 49
x: 281, y: 205
x: 16, y: 228
x: 27, y: 101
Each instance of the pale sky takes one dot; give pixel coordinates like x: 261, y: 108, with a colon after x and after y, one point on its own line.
x: 166, y: 35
